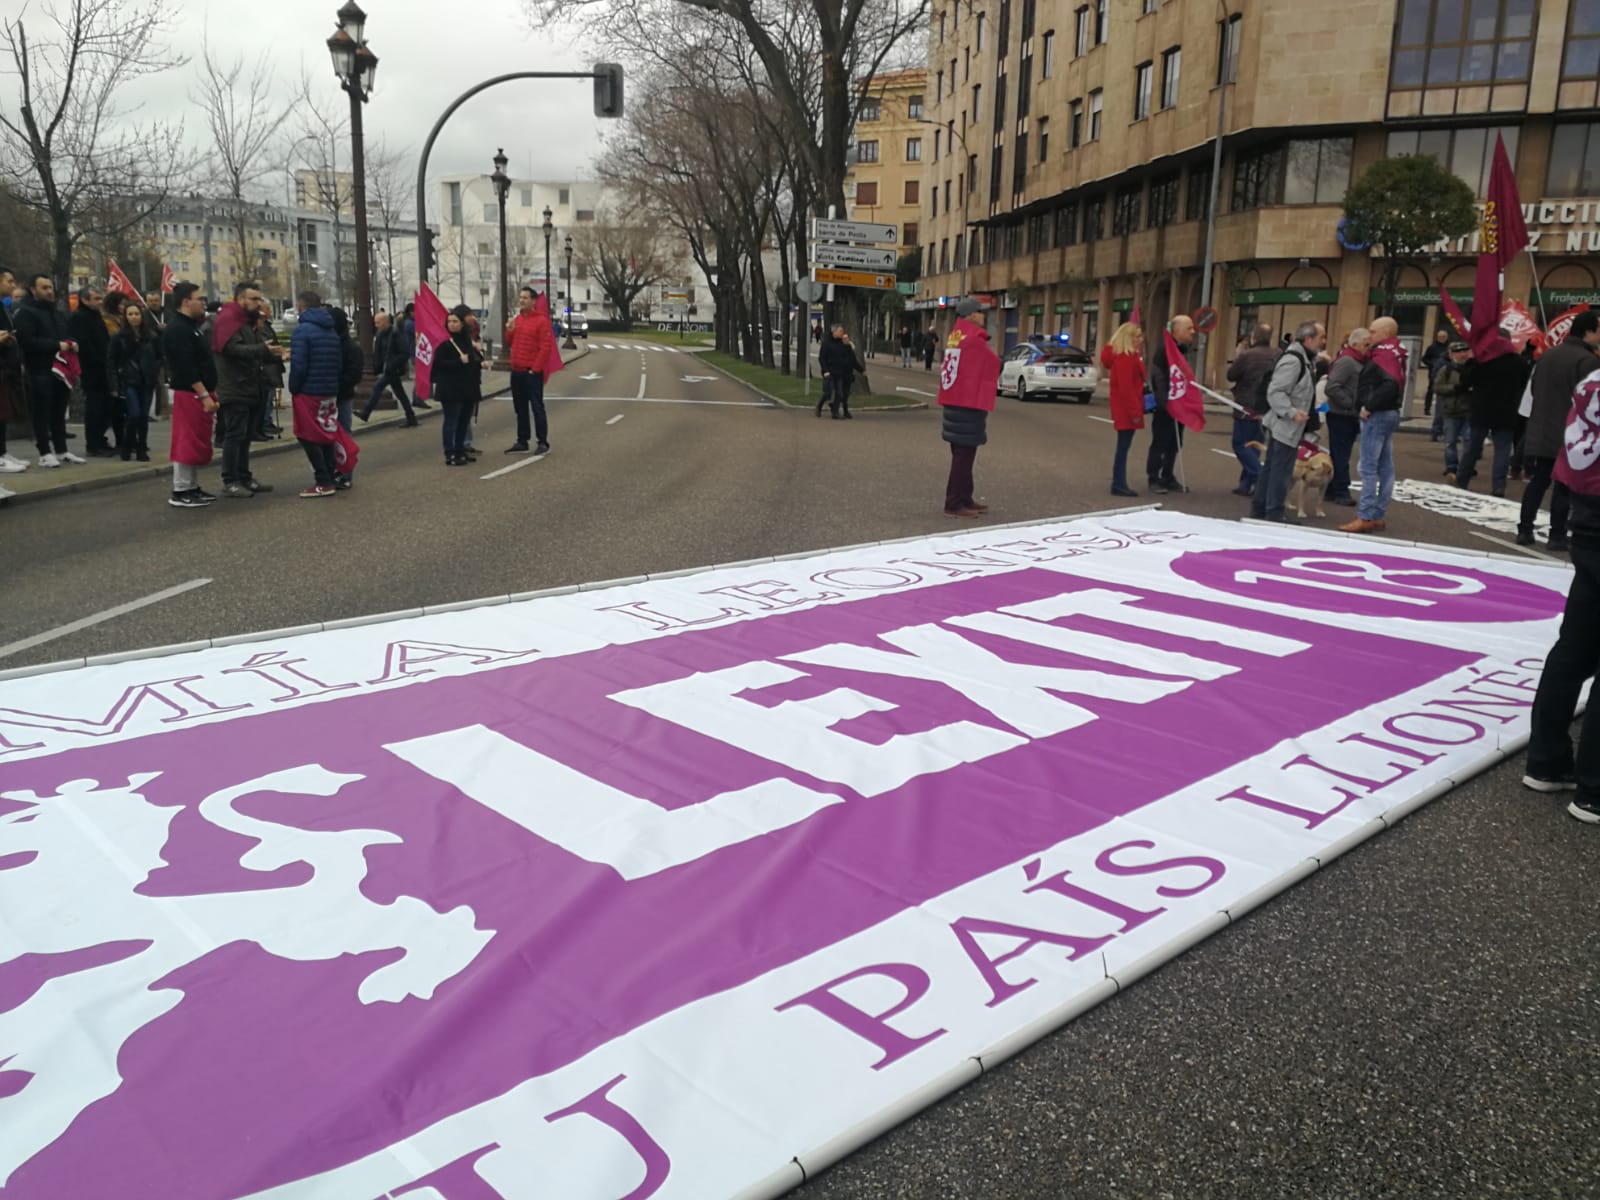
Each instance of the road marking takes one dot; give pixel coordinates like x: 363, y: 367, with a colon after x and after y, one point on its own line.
x: 516, y: 466
x: 50, y: 635
x: 640, y: 396
x: 655, y: 349
x: 697, y: 379
x: 669, y: 400
x: 915, y: 392
x: 1528, y: 550
x: 596, y: 375
x: 615, y: 419
x: 1224, y: 453
x: 607, y: 346
x: 1102, y: 420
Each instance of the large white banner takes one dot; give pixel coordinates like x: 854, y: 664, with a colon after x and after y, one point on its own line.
x: 683, y: 886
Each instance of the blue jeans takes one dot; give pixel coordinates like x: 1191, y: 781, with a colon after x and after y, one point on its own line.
x: 1377, y: 464
x: 457, y: 416
x: 1272, y: 485
x: 1343, y: 433
x: 1454, y: 431
x: 1503, y: 439
x: 1119, y: 464
x: 346, y: 410
x: 1245, y: 431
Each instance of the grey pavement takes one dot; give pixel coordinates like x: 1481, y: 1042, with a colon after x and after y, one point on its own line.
x: 1420, y: 1019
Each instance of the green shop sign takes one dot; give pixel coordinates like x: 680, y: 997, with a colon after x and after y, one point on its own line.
x: 1560, y: 299
x: 1036, y: 310
x: 1122, y: 305
x: 1287, y: 296
x: 1092, y: 306
x: 1419, y: 295
x: 906, y: 289
x: 1064, y: 309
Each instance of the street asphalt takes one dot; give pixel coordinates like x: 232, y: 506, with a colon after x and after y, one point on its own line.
x: 1418, y: 1020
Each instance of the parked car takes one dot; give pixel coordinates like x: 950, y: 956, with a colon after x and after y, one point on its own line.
x: 1037, y: 370
x: 580, y: 326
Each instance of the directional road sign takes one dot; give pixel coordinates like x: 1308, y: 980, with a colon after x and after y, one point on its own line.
x: 824, y: 230
x: 862, y: 279
x: 865, y: 257
x: 808, y: 290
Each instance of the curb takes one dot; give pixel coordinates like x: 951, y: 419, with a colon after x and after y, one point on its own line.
x: 280, y: 445
x: 787, y: 407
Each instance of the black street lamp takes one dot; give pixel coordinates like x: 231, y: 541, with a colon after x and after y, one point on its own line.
x: 549, y: 229
x: 356, y: 66
x: 502, y: 189
x: 569, y: 344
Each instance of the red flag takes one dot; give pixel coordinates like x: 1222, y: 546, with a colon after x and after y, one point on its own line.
x: 1133, y: 317
x: 971, y: 368
x: 168, y: 279
x: 431, y: 334
x: 1562, y: 325
x: 118, y: 281
x: 1184, y: 404
x: 1502, y: 236
x: 553, y: 362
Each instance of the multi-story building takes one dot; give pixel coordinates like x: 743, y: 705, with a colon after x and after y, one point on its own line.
x: 1076, y: 142
x: 884, y: 183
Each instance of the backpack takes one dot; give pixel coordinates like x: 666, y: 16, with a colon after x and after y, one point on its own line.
x: 1256, y: 401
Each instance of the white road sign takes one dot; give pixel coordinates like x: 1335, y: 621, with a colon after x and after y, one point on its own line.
x: 824, y: 230
x: 863, y: 257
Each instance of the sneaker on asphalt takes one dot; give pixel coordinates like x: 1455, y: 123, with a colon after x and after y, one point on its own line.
x: 10, y: 466
x: 69, y: 456
x: 316, y: 492
x: 208, y: 497
x: 518, y: 448
x: 1587, y: 811
x: 542, y: 448
x: 49, y: 460
x: 256, y: 487
x: 343, y: 484
x: 1550, y: 784
x: 1524, y: 537
x: 237, y: 491
x: 187, y: 500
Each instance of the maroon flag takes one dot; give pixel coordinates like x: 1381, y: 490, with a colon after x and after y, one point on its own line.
x: 553, y: 361
x: 1184, y: 404
x: 1562, y: 325
x: 168, y: 279
x: 118, y: 281
x: 970, y: 370
x: 431, y: 334
x: 1502, y: 236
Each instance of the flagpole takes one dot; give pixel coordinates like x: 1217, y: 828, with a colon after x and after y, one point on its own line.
x: 1544, y: 317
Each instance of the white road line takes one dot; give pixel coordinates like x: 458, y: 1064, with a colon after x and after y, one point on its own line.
x: 1102, y: 420
x: 1224, y: 453
x: 667, y: 400
x: 59, y: 631
x: 516, y: 466
x: 616, y: 418
x: 1528, y: 550
x: 607, y: 347
x: 640, y: 396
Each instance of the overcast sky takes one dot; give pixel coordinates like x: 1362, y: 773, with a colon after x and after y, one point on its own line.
x: 428, y: 52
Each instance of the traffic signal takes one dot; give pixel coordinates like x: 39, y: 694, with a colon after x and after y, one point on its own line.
x: 426, y: 255
x: 607, y: 90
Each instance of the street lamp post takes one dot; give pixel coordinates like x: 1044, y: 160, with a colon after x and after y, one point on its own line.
x: 356, y: 66
x: 549, y: 229
x: 502, y: 189
x: 569, y: 344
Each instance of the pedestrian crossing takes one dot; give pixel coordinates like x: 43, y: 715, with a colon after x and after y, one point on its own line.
x: 640, y: 346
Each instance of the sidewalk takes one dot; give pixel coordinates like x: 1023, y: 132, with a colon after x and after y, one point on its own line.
x: 37, y: 483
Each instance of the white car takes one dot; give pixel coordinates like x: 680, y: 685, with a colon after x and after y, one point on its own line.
x: 1040, y: 370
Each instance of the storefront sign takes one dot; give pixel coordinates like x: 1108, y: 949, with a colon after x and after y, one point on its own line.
x: 1064, y: 309
x: 1419, y: 296
x: 1287, y: 296
x: 1091, y: 306
x: 1566, y: 297
x: 1122, y: 306
x: 1036, y: 310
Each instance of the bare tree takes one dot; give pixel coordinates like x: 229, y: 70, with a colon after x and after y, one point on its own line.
x: 67, y: 146
x: 244, y: 142
x: 623, y: 259
x: 391, y: 174
x: 323, y: 127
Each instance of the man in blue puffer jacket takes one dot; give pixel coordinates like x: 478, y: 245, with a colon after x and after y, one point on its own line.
x: 315, y: 358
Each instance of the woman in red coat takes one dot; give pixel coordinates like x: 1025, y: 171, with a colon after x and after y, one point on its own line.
x: 1123, y: 360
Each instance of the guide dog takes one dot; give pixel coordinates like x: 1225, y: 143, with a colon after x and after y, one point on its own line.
x: 1313, y: 468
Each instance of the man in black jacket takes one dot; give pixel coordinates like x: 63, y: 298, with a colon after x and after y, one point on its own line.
x: 1166, y: 438
x: 392, y: 351
x: 839, y: 364
x: 1496, y: 386
x: 87, y: 327
x: 1556, y: 377
x: 1249, y: 373
x: 42, y: 332
x: 193, y: 373
x: 243, y: 353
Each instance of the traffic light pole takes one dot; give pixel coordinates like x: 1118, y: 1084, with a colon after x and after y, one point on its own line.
x: 607, y: 103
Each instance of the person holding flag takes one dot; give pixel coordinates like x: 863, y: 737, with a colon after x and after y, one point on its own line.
x: 1177, y: 403
x: 1501, y: 237
x: 966, y: 394
x: 315, y: 360
x: 1291, y: 392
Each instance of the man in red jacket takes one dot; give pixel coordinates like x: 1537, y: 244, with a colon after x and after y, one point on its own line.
x: 530, y: 339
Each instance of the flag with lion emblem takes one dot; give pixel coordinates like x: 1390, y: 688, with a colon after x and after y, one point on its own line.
x: 971, y: 369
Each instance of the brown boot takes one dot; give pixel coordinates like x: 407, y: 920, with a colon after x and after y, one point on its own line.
x: 1360, y: 526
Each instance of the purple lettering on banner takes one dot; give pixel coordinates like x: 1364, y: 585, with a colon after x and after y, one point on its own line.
x: 528, y: 957
x: 456, y: 1180
x: 1370, y: 585
x: 873, y: 1027
x: 969, y: 929
x: 599, y: 1105
x: 1212, y: 867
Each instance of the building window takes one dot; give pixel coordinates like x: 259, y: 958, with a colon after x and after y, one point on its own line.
x: 938, y: 87
x: 867, y: 194
x: 983, y: 23
x: 977, y: 101
x: 1101, y: 24
x: 490, y: 213
x: 914, y: 108
x: 527, y: 197
x: 584, y: 214
x: 485, y: 248
x: 1019, y: 167
x: 1141, y: 90
x: 1094, y: 219
x: 944, y: 254
x: 1446, y: 42
x: 564, y: 196
x: 933, y: 201
x: 1000, y: 103
x: 996, y: 164
x: 1574, y: 161
x: 1003, y: 29
x: 1163, y: 201
x: 913, y: 192
x: 959, y: 247
x: 1198, y: 202
x: 941, y: 28
x: 1125, y: 212
x: 1151, y: 5
x: 1044, y: 139
x: 908, y: 234
x: 966, y: 64
x: 1469, y: 153
x: 1228, y: 49
x: 1024, y: 87
x: 1317, y: 172
x: 1096, y: 105
x: 871, y: 109
x: 867, y: 152
x: 1582, y: 57
x: 1067, y: 224
x: 1047, y: 60
x: 453, y: 190
x: 1075, y: 125
x: 1080, y: 40
x: 1171, y: 69
x: 914, y: 149
x: 1027, y: 20
x: 1257, y: 178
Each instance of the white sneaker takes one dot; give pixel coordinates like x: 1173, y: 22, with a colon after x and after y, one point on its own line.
x: 69, y: 456
x: 19, y: 464
x: 6, y: 493
x: 49, y: 460
x: 10, y: 466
